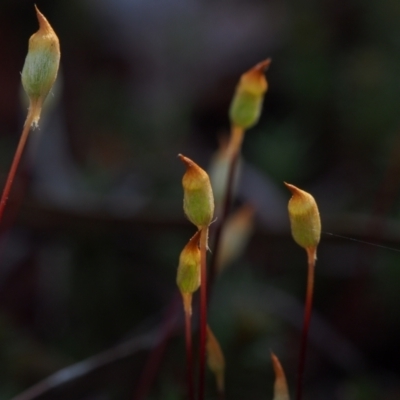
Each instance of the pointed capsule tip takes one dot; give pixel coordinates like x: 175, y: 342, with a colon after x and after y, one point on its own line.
x: 195, y: 239
x: 275, y: 362
x: 291, y: 187
x: 43, y: 23
x: 263, y: 65
x: 187, y: 161
x: 296, y: 191
x: 41, y: 18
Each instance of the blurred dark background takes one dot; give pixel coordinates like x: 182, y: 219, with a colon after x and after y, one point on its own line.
x: 94, y: 226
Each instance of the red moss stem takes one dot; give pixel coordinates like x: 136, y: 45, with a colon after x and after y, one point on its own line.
x: 15, y: 163
x: 203, y: 311
x: 189, y: 355
x: 307, y: 317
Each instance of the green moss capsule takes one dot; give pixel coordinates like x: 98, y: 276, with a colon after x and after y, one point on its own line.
x: 304, y: 218
x: 198, y: 199
x: 188, y: 277
x: 41, y: 65
x: 247, y: 101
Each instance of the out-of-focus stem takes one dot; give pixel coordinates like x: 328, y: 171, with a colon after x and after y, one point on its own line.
x: 15, y: 162
x: 235, y: 141
x: 311, y: 255
x: 155, y: 358
x: 203, y: 311
x: 233, y: 151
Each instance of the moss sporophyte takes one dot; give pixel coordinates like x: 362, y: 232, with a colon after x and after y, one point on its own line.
x: 41, y: 66
x: 188, y: 276
x: 198, y: 199
x: 247, y: 102
x: 38, y: 75
x: 304, y: 218
x: 305, y: 224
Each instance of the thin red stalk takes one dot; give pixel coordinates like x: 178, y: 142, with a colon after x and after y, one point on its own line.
x: 233, y: 152
x: 203, y: 311
x: 307, y: 317
x: 15, y: 163
x: 189, y: 355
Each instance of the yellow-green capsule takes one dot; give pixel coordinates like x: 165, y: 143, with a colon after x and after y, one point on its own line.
x: 304, y: 218
x: 41, y: 65
x: 247, y: 101
x: 198, y: 198
x: 188, y: 277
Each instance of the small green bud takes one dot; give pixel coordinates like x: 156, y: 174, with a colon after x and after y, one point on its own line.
x: 188, y: 277
x: 304, y: 218
x: 281, y: 391
x: 198, y: 199
x: 215, y: 359
x: 41, y: 66
x: 247, y: 102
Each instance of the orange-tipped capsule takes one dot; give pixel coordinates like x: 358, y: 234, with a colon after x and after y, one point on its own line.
x: 304, y: 218
x: 247, y: 101
x: 215, y: 360
x: 198, y: 199
x: 188, y: 276
x: 281, y: 391
x: 41, y: 66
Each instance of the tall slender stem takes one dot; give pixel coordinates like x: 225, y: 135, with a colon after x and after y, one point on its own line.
x: 311, y: 252
x: 189, y: 350
x: 233, y: 151
x: 15, y: 162
x: 203, y: 311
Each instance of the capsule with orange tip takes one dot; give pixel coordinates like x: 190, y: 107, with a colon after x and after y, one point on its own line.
x: 304, y: 218
x: 41, y: 66
x: 188, y: 276
x: 198, y: 198
x: 245, y: 109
